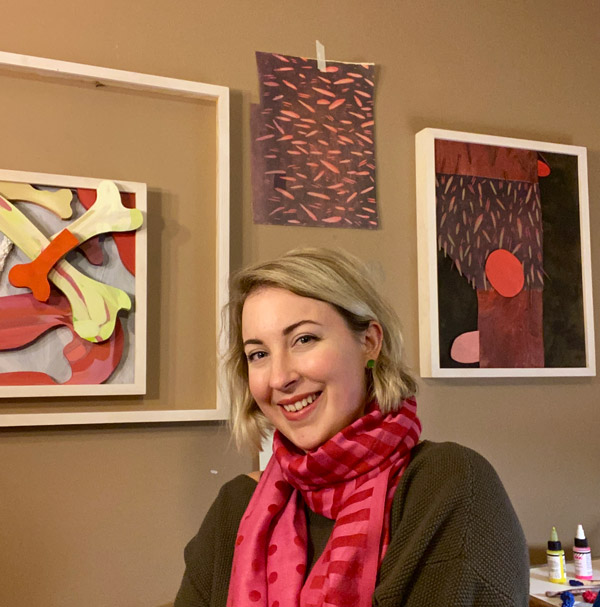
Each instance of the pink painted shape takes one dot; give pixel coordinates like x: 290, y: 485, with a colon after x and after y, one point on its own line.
x: 23, y: 319
x: 26, y: 378
x: 504, y: 272
x: 4, y: 205
x: 465, y: 348
x: 93, y: 251
x: 125, y: 241
x: 94, y: 363
x: 75, y: 286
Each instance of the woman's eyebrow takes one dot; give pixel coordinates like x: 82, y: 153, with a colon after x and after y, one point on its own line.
x: 291, y: 328
x: 286, y: 331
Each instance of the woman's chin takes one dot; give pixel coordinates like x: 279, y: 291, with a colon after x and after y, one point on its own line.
x: 305, y: 443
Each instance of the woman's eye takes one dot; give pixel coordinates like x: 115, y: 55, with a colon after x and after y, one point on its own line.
x: 254, y: 356
x: 305, y: 339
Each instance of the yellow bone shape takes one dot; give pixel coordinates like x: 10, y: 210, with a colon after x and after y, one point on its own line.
x: 95, y: 305
x: 107, y: 214
x: 59, y: 202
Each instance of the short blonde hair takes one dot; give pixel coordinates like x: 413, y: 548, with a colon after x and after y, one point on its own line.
x: 332, y: 276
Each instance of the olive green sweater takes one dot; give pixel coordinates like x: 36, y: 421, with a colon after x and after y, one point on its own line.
x: 455, y: 538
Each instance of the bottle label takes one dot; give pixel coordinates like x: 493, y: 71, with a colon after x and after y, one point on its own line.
x: 556, y: 566
x: 583, y: 563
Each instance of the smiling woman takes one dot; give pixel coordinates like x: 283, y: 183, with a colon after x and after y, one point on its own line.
x: 337, y: 281
x: 352, y: 509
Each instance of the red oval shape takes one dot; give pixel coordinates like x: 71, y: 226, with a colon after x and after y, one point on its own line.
x: 505, y: 272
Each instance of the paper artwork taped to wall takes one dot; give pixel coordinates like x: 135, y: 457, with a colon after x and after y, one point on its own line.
x: 505, y: 278
x: 72, y: 286
x: 313, y: 150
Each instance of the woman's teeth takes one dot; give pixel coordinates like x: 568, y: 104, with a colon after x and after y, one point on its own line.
x: 301, y: 403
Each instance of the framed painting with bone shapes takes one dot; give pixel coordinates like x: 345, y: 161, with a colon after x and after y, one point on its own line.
x: 505, y: 284
x: 173, y: 135
x: 72, y: 286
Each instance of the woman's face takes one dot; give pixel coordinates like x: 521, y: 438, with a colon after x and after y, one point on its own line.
x: 306, y: 368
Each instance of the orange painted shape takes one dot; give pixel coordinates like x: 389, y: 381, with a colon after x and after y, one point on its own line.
x: 34, y: 274
x: 505, y: 272
x: 465, y: 348
x: 543, y: 169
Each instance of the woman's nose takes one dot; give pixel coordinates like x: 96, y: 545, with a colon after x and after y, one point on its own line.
x: 283, y: 374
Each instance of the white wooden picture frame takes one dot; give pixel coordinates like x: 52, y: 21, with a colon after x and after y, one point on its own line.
x: 485, y: 220
x: 46, y: 351
x: 73, y: 73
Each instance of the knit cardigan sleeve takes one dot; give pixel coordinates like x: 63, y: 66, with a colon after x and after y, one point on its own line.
x: 455, y: 538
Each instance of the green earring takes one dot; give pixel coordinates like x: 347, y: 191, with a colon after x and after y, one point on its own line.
x: 370, y: 363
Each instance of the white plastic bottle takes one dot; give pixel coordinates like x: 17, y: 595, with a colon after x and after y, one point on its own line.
x: 582, y: 555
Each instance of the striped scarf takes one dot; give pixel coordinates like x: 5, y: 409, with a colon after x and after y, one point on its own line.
x: 352, y: 479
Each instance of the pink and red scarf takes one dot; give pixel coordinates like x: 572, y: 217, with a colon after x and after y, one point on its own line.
x: 352, y: 479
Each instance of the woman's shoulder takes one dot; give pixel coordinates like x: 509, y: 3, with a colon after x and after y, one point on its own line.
x: 230, y: 504
x: 239, y: 488
x: 453, y: 484
x: 232, y: 500
x: 212, y: 547
x: 448, y: 459
x: 453, y: 474
x: 428, y: 449
x: 452, y: 523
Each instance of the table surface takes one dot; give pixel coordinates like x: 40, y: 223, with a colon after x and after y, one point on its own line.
x: 539, y: 584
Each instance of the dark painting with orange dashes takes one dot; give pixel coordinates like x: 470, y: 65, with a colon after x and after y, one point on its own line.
x: 313, y: 144
x: 510, y: 280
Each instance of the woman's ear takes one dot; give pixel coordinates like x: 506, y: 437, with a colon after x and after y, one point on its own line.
x: 373, y: 340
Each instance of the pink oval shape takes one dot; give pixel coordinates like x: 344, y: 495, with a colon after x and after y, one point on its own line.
x: 465, y: 348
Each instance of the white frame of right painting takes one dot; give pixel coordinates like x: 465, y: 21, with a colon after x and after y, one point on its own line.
x: 427, y: 234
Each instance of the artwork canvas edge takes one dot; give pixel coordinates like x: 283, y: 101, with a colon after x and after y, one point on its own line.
x: 9, y: 420
x: 138, y: 385
x: 427, y: 255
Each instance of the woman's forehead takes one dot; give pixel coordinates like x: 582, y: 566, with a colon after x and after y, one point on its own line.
x: 277, y: 308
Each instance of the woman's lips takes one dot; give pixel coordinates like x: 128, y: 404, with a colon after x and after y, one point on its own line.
x: 302, y: 413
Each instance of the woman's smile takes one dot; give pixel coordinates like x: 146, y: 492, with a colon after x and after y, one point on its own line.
x: 301, y: 408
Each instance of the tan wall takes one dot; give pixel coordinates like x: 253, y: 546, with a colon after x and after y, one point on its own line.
x: 99, y: 516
